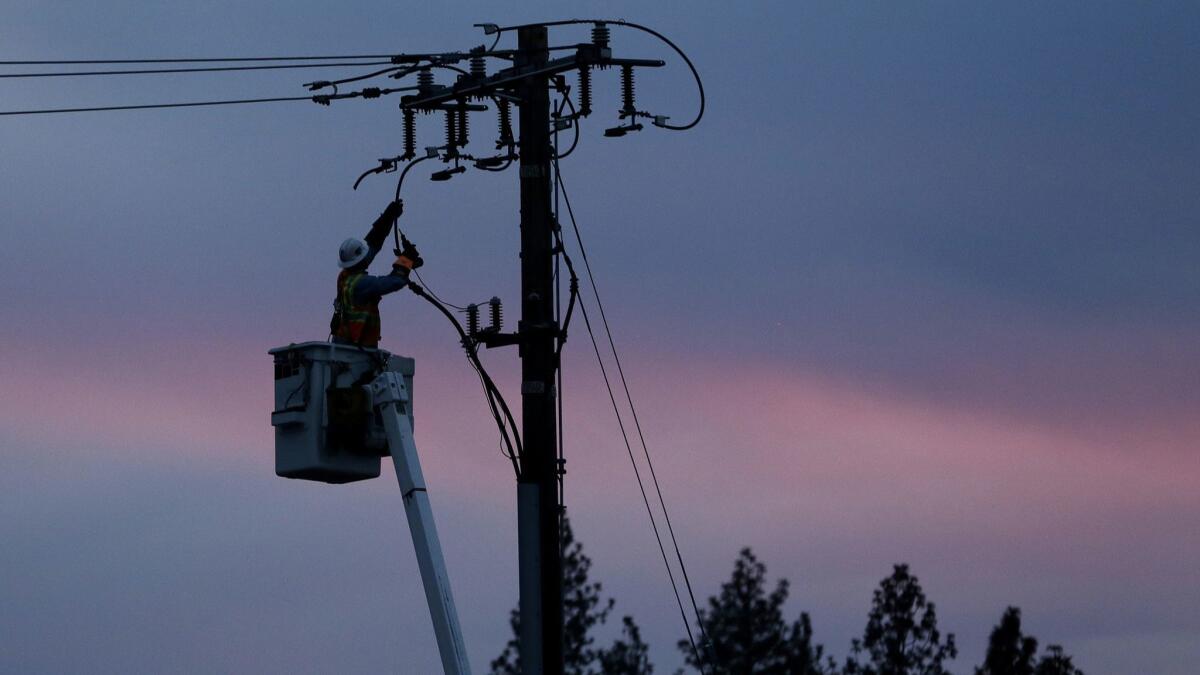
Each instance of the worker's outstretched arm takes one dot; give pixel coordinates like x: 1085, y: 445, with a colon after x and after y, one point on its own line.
x: 383, y: 224
x: 371, y: 288
x: 379, y: 230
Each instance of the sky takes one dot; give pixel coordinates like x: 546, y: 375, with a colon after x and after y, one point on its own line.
x: 922, y: 287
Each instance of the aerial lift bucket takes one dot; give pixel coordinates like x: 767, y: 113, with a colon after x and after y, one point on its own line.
x: 325, y: 426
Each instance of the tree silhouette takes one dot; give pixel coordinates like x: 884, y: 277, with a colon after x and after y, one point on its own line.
x: 583, y: 610
x: 1012, y: 653
x: 1009, y: 652
x: 901, y: 636
x: 1055, y: 662
x: 628, y: 655
x: 746, y: 630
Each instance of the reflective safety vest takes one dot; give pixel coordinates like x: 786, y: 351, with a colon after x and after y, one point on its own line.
x: 355, y: 323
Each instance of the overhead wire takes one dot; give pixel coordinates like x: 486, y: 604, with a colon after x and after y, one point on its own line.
x: 321, y: 84
x: 637, y: 423
x: 459, y: 308
x: 211, y: 69
x: 637, y: 474
x: 561, y: 186
x: 234, y: 59
x: 192, y: 104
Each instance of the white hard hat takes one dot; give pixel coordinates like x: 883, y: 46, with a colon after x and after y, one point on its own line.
x: 352, y: 252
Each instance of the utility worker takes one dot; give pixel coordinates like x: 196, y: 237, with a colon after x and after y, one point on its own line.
x: 356, y: 309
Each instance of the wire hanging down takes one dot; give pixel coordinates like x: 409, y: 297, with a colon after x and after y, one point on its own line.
x: 499, y: 407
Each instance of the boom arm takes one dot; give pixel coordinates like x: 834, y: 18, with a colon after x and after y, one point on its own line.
x: 391, y: 398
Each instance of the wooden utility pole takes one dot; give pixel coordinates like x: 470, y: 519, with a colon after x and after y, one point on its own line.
x: 538, y: 510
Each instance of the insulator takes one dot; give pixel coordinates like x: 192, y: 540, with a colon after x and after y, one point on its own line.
x: 472, y: 320
x: 478, y: 67
x: 585, y: 91
x: 627, y: 108
x: 451, y: 135
x: 600, y: 34
x: 410, y: 133
x: 504, y: 111
x: 464, y: 124
x: 497, y: 314
x: 424, y: 79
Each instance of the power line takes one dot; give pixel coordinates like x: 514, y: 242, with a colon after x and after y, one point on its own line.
x: 235, y: 59
x: 637, y: 474
x: 560, y: 186
x: 212, y: 69
x: 435, y: 295
x: 150, y: 106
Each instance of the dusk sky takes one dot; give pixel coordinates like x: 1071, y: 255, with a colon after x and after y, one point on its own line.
x: 922, y: 287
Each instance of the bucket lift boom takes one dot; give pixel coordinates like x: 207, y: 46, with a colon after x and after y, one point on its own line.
x: 390, y: 397
x: 338, y: 410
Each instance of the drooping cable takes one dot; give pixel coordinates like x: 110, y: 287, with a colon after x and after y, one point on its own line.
x: 566, y: 102
x: 429, y: 290
x: 637, y: 422
x: 645, y: 29
x: 496, y: 402
x: 407, y: 167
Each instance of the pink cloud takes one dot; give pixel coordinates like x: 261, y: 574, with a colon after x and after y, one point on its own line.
x: 730, y: 440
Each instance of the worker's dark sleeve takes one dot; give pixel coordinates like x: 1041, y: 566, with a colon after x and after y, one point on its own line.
x: 379, y: 231
x: 372, y: 287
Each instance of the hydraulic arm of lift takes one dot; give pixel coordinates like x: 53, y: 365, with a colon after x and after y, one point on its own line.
x: 390, y: 397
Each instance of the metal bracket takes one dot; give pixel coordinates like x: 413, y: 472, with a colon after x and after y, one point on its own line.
x: 387, y: 388
x: 490, y: 339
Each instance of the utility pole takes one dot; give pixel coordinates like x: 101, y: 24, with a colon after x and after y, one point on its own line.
x: 527, y: 84
x: 538, y: 510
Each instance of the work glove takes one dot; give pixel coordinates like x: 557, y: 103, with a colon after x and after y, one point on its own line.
x: 383, y: 224
x: 407, y: 256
